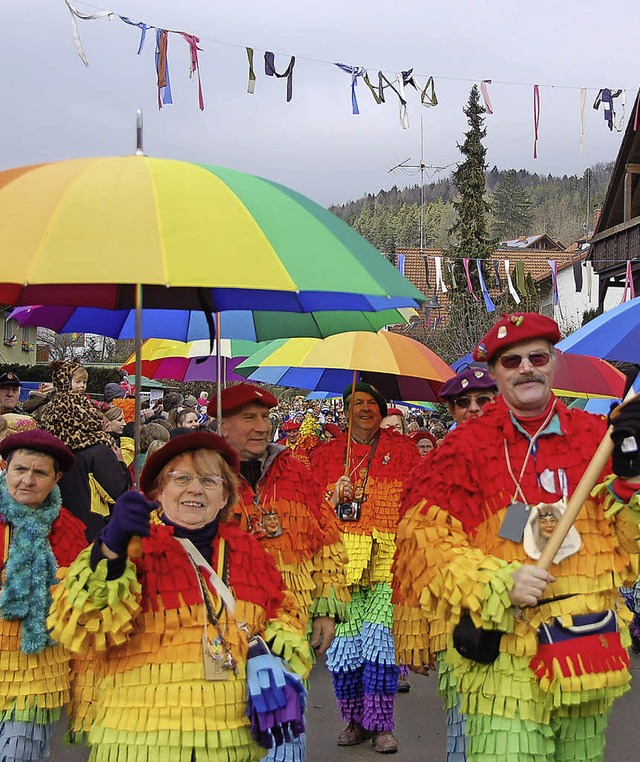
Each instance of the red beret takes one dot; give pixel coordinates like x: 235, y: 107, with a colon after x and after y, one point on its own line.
x: 239, y: 395
x: 333, y: 429
x: 40, y: 441
x: 290, y: 426
x: 395, y: 411
x: 417, y: 436
x: 512, y: 329
x: 468, y: 380
x: 196, y: 440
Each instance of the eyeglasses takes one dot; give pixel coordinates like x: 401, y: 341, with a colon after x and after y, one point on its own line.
x: 537, y: 359
x: 464, y: 402
x: 208, y: 482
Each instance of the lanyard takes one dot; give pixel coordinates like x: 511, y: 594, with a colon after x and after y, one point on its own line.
x: 371, y: 454
x: 532, y: 442
x: 198, y: 560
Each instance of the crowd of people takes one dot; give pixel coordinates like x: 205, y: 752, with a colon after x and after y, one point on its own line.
x: 180, y: 618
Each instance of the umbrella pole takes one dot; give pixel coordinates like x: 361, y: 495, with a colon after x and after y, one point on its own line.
x: 218, y: 376
x: 138, y: 349
x: 348, y: 452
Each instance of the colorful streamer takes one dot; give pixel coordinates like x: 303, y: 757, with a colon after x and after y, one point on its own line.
x: 439, y: 280
x: 355, y: 72
x: 536, y: 119
x: 465, y: 263
x: 488, y: 301
x: 512, y: 289
x: 485, y: 95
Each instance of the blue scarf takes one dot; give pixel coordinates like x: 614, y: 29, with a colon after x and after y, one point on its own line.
x: 31, y: 567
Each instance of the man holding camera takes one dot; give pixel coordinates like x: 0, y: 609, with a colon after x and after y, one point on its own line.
x: 537, y: 656
x: 364, y: 482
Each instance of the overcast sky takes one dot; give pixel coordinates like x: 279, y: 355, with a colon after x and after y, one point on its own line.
x: 53, y: 108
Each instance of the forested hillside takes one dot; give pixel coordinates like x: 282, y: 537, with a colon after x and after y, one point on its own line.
x: 521, y: 204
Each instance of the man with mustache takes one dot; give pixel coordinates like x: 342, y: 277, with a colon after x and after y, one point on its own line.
x: 534, y: 655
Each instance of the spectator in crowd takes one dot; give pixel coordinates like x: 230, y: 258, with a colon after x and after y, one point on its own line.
x: 9, y: 393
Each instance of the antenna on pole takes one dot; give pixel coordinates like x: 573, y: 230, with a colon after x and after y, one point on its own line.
x: 421, y: 167
x: 139, y: 149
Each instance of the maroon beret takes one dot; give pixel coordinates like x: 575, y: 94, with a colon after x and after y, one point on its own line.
x: 333, y: 429
x: 196, y: 440
x: 395, y: 411
x: 290, y: 426
x: 468, y: 380
x: 512, y: 329
x: 40, y: 441
x: 239, y: 395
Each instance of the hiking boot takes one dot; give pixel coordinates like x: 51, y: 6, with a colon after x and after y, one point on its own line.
x: 404, y: 686
x: 385, y: 743
x: 353, y: 734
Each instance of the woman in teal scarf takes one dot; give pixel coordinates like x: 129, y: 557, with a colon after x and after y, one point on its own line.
x: 37, y: 536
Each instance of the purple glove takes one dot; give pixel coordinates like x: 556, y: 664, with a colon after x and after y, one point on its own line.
x: 130, y: 516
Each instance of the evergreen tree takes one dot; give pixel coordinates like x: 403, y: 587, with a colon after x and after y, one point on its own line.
x: 469, y: 233
x: 511, y: 207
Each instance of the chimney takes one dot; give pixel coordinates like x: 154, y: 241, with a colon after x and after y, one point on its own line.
x: 597, y: 211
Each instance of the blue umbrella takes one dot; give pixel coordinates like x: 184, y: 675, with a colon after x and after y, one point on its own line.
x: 614, y: 335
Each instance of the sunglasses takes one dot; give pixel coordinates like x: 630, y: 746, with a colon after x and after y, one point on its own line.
x: 537, y: 359
x: 464, y: 402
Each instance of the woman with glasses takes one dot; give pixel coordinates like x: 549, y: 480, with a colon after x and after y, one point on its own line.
x: 171, y: 617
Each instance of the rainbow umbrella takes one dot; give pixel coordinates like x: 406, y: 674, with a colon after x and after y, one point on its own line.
x: 189, y: 325
x: 190, y: 361
x: 400, y: 367
x: 114, y: 232
x: 89, y: 231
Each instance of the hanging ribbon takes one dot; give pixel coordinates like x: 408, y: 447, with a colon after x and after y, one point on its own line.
x: 194, y: 67
x: 355, y: 72
x: 143, y: 31
x: 251, y: 84
x: 439, y: 280
x: 162, y: 67
x: 465, y: 263
x: 554, y: 280
x: 512, y: 289
x: 399, y: 91
x: 428, y: 95
x: 270, y: 71
x: 605, y: 99
x: 488, y: 302
x: 452, y: 275
x: 378, y: 96
x: 496, y: 270
x: 583, y: 104
x: 589, y: 278
x: 485, y: 95
x: 536, y: 119
x: 629, y: 287
x: 400, y: 262
x: 75, y: 13
x: 425, y: 259
x: 577, y: 276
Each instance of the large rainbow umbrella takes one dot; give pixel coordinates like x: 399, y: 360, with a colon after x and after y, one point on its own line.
x: 114, y: 232
x: 401, y: 368
x: 191, y: 325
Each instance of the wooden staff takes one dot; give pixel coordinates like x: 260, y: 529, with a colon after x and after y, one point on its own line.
x: 588, y: 481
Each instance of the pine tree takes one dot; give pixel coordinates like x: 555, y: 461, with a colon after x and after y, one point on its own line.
x: 469, y: 233
x: 511, y: 207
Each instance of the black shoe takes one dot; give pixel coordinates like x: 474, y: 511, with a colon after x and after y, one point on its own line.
x: 404, y: 686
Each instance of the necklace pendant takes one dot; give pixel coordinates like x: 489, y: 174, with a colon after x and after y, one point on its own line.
x: 214, y: 659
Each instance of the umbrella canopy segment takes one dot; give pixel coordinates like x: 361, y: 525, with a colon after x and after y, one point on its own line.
x: 614, y: 335
x: 400, y: 367
x: 190, y: 325
x: 576, y: 375
x: 190, y: 361
x: 86, y: 231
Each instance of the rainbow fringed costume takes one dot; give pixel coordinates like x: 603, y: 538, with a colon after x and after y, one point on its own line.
x: 450, y: 559
x: 309, y: 553
x: 362, y: 658
x: 35, y: 687
x: 145, y: 627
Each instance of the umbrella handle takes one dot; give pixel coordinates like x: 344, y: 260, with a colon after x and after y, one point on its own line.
x: 347, y: 456
x: 588, y: 481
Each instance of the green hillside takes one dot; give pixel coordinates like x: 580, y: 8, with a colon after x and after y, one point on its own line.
x: 521, y: 204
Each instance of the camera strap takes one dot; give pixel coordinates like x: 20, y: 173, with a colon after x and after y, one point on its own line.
x: 374, y: 446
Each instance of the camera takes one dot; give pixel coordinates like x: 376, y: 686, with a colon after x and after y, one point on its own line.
x: 348, y: 511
